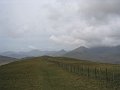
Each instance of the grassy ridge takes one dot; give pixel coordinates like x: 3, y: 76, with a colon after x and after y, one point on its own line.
x: 41, y: 74
x: 107, y: 74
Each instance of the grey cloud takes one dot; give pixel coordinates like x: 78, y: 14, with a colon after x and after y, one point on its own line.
x: 94, y: 23
x: 60, y: 23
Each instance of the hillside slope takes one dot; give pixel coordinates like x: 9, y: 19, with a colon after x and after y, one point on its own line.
x: 41, y: 74
x: 99, y: 54
x: 5, y: 59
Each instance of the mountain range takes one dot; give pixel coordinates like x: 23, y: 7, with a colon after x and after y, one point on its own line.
x: 97, y: 54
x: 33, y: 53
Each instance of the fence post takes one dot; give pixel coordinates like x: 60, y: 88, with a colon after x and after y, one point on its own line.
x: 106, y: 72
x: 95, y: 73
x: 113, y: 79
x: 88, y: 72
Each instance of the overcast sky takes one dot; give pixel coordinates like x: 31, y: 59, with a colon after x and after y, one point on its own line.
x: 58, y: 24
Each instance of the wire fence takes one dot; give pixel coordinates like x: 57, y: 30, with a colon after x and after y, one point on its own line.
x: 108, y: 78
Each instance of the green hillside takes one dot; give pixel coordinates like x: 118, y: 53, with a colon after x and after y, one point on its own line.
x: 6, y: 59
x: 58, y: 73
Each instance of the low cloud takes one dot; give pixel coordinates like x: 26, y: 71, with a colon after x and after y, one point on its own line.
x: 31, y: 47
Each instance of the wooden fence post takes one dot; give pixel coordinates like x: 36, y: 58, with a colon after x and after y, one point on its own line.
x: 88, y: 72
x: 95, y: 73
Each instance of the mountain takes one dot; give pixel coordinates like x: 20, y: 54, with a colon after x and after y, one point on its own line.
x: 14, y: 54
x: 99, y: 54
x: 58, y: 53
x: 33, y: 53
x: 4, y: 59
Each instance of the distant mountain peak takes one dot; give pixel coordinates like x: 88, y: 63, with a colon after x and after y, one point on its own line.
x: 101, y: 54
x: 34, y: 50
x: 81, y: 48
x: 62, y: 50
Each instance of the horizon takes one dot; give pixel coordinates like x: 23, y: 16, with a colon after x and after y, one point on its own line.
x: 57, y: 50
x: 54, y: 25
x: 34, y: 50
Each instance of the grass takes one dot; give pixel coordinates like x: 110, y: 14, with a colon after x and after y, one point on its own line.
x: 41, y: 74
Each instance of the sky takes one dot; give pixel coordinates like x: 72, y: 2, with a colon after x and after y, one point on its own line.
x: 58, y: 24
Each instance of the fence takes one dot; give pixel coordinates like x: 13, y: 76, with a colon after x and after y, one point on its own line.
x: 108, y: 78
